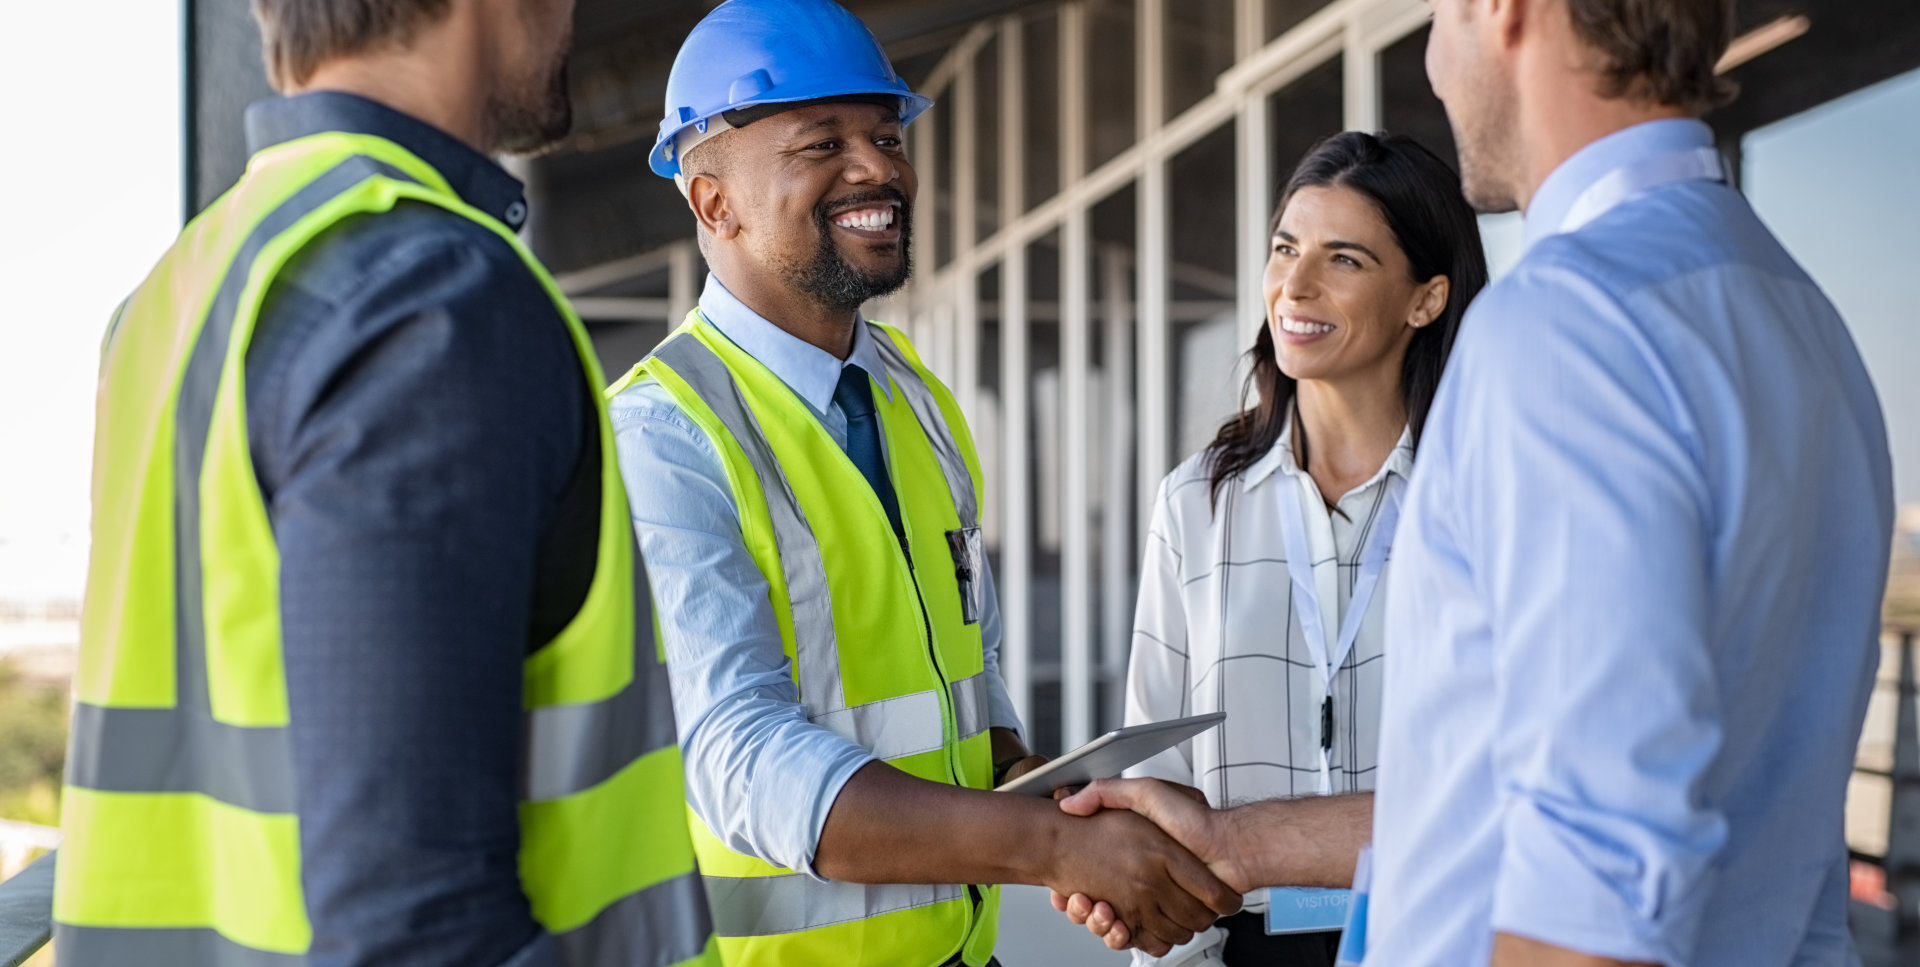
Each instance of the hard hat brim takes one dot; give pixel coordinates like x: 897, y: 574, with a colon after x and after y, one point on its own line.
x: 666, y: 163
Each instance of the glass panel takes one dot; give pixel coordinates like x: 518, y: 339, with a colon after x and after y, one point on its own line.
x: 986, y: 140
x: 1407, y: 106
x: 1040, y: 143
x: 1284, y: 15
x: 1044, y: 472
x: 1199, y: 46
x: 1299, y: 116
x: 1110, y: 448
x: 937, y: 195
x: 622, y: 344
x: 1201, y: 282
x: 1836, y: 185
x: 1111, y: 79
x: 985, y: 420
x: 1869, y: 798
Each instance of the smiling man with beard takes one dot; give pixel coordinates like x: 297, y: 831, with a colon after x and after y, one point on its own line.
x: 808, y: 498
x: 366, y: 675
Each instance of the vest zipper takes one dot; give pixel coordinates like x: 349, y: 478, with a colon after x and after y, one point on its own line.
x: 949, y: 726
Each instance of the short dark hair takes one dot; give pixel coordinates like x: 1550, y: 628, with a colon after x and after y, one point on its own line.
x: 297, y: 36
x: 1419, y: 198
x: 1659, y: 50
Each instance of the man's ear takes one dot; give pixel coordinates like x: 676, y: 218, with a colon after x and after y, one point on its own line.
x: 1507, y: 20
x: 708, y: 200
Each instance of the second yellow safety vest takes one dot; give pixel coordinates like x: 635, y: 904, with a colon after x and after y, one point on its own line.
x: 884, y: 634
x: 182, y: 838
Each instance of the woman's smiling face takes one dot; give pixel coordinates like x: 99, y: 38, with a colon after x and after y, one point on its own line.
x: 1340, y: 298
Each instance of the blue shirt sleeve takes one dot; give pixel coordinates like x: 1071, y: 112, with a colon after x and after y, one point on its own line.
x: 420, y: 415
x: 1001, y: 713
x: 1583, y: 518
x: 759, y: 774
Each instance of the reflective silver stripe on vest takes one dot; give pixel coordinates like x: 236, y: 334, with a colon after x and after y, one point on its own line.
x: 572, y: 748
x: 159, y: 947
x: 891, y: 728
x: 970, y: 705
x: 818, y: 655
x: 664, y: 924
x: 760, y: 906
x: 180, y: 750
x: 934, y: 422
x: 183, y: 748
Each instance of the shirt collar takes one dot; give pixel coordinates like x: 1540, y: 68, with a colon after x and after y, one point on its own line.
x: 1562, y: 190
x: 1280, y: 458
x: 476, y: 178
x: 811, y: 372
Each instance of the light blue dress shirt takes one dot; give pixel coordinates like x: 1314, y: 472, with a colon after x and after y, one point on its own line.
x: 1636, y: 606
x: 759, y: 774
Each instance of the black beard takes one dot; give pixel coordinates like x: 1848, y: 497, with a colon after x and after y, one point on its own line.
x: 836, y: 284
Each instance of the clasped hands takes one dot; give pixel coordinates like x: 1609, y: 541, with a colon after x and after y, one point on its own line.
x: 1160, y: 828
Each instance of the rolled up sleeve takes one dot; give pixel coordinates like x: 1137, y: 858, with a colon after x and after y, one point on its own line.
x: 1001, y: 712
x: 759, y: 774
x: 1585, y: 516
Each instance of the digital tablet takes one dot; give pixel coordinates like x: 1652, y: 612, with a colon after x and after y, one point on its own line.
x: 1109, y: 754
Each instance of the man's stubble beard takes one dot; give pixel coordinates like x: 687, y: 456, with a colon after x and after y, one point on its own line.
x: 1484, y: 130
x: 835, y: 283
x: 530, y: 117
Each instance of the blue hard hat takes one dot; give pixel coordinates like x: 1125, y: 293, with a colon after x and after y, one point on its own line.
x: 748, y: 53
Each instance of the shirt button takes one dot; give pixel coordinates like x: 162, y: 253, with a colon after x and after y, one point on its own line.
x: 516, y: 213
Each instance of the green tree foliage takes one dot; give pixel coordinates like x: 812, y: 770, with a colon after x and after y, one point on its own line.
x: 33, y: 748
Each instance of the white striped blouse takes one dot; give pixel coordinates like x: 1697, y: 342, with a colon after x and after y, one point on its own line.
x: 1216, y: 629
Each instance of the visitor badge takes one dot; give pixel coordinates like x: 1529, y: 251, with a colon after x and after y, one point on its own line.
x: 1301, y: 909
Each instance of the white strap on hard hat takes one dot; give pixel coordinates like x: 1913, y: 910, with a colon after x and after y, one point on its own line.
x: 691, y: 138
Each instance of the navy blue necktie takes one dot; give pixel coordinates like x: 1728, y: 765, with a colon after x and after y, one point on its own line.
x: 855, y: 399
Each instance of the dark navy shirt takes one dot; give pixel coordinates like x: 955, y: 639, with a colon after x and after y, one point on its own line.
x: 425, y: 438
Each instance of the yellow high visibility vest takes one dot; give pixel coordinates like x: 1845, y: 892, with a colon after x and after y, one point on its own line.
x: 884, y: 638
x: 182, y: 841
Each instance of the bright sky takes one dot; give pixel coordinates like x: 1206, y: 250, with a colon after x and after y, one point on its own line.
x: 91, y: 106
x: 90, y: 96
x: 1838, y: 185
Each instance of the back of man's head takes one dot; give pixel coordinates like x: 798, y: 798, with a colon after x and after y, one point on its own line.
x: 1660, y: 51
x: 297, y: 36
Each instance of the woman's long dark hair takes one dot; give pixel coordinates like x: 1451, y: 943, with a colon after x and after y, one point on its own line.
x: 1419, y: 198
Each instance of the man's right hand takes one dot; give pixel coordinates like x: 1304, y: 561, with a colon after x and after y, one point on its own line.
x: 1159, y: 888
x: 1298, y: 842
x: 1181, y: 812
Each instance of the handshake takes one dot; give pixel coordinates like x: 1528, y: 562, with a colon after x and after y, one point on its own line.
x: 1155, y: 867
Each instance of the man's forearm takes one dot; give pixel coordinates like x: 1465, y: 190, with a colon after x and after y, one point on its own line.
x: 890, y: 827
x: 1313, y: 841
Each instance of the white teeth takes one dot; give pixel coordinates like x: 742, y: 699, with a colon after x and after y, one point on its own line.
x: 1302, y: 328
x: 870, y: 220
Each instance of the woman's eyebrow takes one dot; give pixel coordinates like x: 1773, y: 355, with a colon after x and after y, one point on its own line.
x: 1336, y: 245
